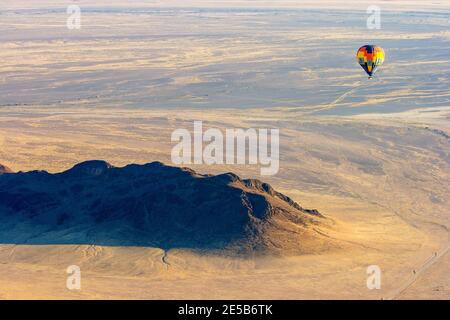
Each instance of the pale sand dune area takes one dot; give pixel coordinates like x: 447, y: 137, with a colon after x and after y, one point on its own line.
x: 372, y: 156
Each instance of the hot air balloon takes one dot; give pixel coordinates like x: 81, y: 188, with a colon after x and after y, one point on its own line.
x: 370, y: 57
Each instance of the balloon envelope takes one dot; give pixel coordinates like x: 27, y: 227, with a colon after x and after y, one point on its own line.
x: 370, y: 57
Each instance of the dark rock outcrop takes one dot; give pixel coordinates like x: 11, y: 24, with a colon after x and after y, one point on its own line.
x: 144, y: 205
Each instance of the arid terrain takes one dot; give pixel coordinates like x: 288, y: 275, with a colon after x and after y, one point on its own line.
x: 386, y: 191
x: 372, y: 156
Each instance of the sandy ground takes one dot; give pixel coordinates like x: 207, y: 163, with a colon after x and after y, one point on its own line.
x: 380, y: 189
x: 373, y: 156
x: 331, y: 4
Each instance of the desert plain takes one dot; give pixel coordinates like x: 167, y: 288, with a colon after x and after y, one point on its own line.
x: 372, y: 156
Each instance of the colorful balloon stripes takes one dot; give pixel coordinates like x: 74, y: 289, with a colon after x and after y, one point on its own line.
x: 370, y: 57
